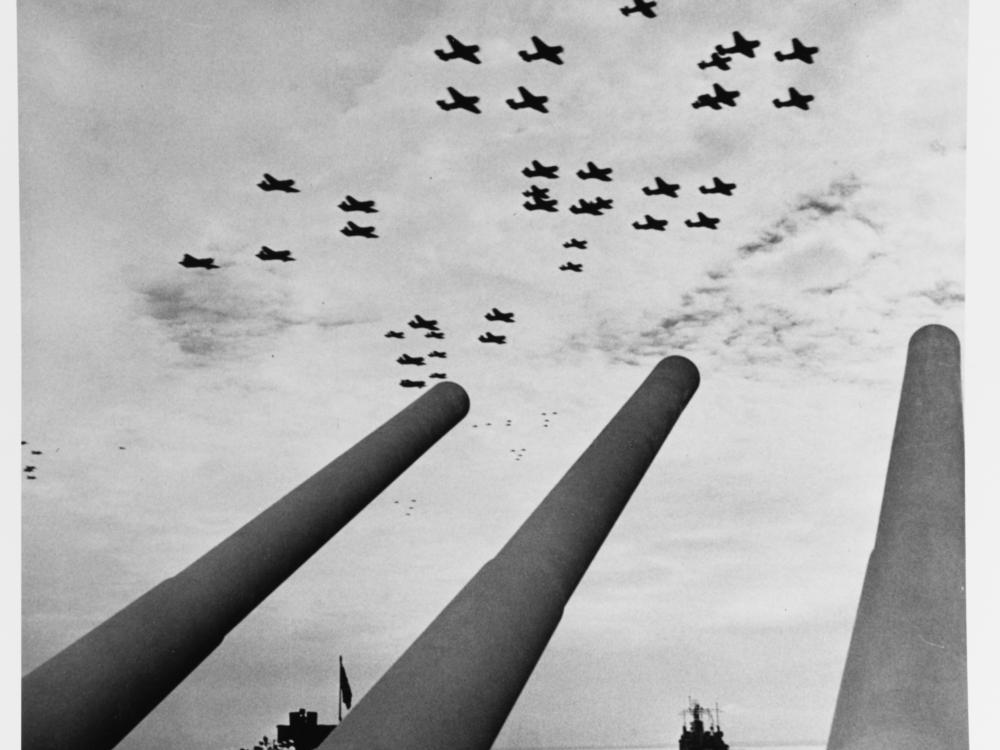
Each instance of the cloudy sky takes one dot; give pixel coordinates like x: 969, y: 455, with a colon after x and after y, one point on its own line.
x: 173, y: 404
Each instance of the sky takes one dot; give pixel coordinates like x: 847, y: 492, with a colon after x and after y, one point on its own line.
x: 173, y: 404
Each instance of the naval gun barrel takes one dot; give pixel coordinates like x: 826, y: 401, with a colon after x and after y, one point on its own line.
x: 454, y: 687
x: 904, y: 682
x: 95, y: 691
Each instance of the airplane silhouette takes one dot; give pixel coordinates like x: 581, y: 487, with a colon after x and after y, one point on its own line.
x: 489, y: 338
x: 717, y: 61
x: 570, y: 266
x: 529, y: 100
x: 537, y: 193
x: 353, y: 230
x: 640, y: 6
x: 395, y: 335
x: 406, y: 359
x: 722, y: 96
x: 412, y: 383
x: 31, y: 476
x: 267, y: 253
x: 36, y: 453
x: 595, y: 172
x: 799, y: 52
x: 496, y: 316
x: 192, y: 262
x: 459, y: 101
x: 459, y: 51
x: 418, y: 322
x: 542, y: 204
x: 795, y: 99
x: 350, y: 203
x: 574, y: 242
x: 29, y: 469
x: 439, y: 355
x: 703, y: 221
x: 542, y: 51
x: 595, y: 207
x: 540, y: 170
x: 740, y: 45
x: 438, y: 375
x: 434, y: 335
x: 662, y: 188
x: 723, y: 188
x: 270, y: 183
x: 658, y: 224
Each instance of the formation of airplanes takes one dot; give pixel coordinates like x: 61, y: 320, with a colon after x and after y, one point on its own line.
x: 267, y: 253
x: 270, y: 183
x: 645, y: 7
x: 470, y: 52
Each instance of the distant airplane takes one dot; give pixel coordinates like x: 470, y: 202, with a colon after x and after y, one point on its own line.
x: 395, y: 335
x: 540, y: 170
x: 640, y: 6
x: 434, y: 335
x: 459, y: 51
x: 574, y: 242
x: 29, y: 469
x: 542, y: 51
x: 603, y: 203
x: 459, y: 101
x: 594, y: 172
x: 190, y: 261
x: 537, y: 193
x: 658, y: 224
x: 495, y: 315
x: 594, y: 207
x: 412, y: 383
x: 722, y: 96
x: 438, y: 375
x: 740, y: 46
x: 489, y: 338
x: 353, y: 230
x: 795, y: 99
x: 723, y: 188
x: 350, y: 203
x: 36, y: 453
x: 662, y: 188
x: 267, y: 253
x: 418, y: 322
x: 542, y: 204
x: 570, y: 266
x: 705, y: 100
x: 529, y: 100
x: 270, y: 183
x: 31, y: 476
x: 799, y: 52
x: 406, y: 359
x: 439, y: 355
x: 703, y: 221
x: 717, y: 61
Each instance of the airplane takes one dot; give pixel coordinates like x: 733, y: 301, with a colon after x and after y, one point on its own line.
x: 658, y: 224
x: 542, y: 204
x: 353, y: 230
x: 705, y: 100
x: 434, y: 335
x: 740, y: 45
x: 570, y: 266
x: 703, y: 221
x: 723, y: 188
x: 603, y: 203
x: 542, y: 51
x: 595, y: 172
x: 459, y: 101
x: 406, y: 359
x: 662, y: 188
x: 29, y: 469
x: 350, y: 203
x: 536, y: 193
x: 412, y: 383
x: 529, y: 100
x: 270, y: 183
x: 496, y: 316
x: 795, y: 99
x: 395, y: 335
x: 267, y: 253
x: 799, y: 52
x: 722, y: 96
x: 438, y: 375
x: 574, y: 242
x: 439, y: 355
x: 489, y: 338
x: 717, y: 61
x: 540, y: 170
x: 418, y: 322
x: 36, y: 453
x: 640, y: 6
x: 31, y: 476
x: 594, y: 208
x: 192, y: 262
x: 459, y: 51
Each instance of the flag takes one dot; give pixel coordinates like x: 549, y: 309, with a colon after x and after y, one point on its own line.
x: 345, y: 687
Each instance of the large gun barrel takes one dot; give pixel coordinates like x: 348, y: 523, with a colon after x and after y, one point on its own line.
x: 904, y: 682
x: 91, y: 694
x: 454, y: 687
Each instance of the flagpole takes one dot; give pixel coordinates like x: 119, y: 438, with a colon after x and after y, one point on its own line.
x: 340, y: 690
